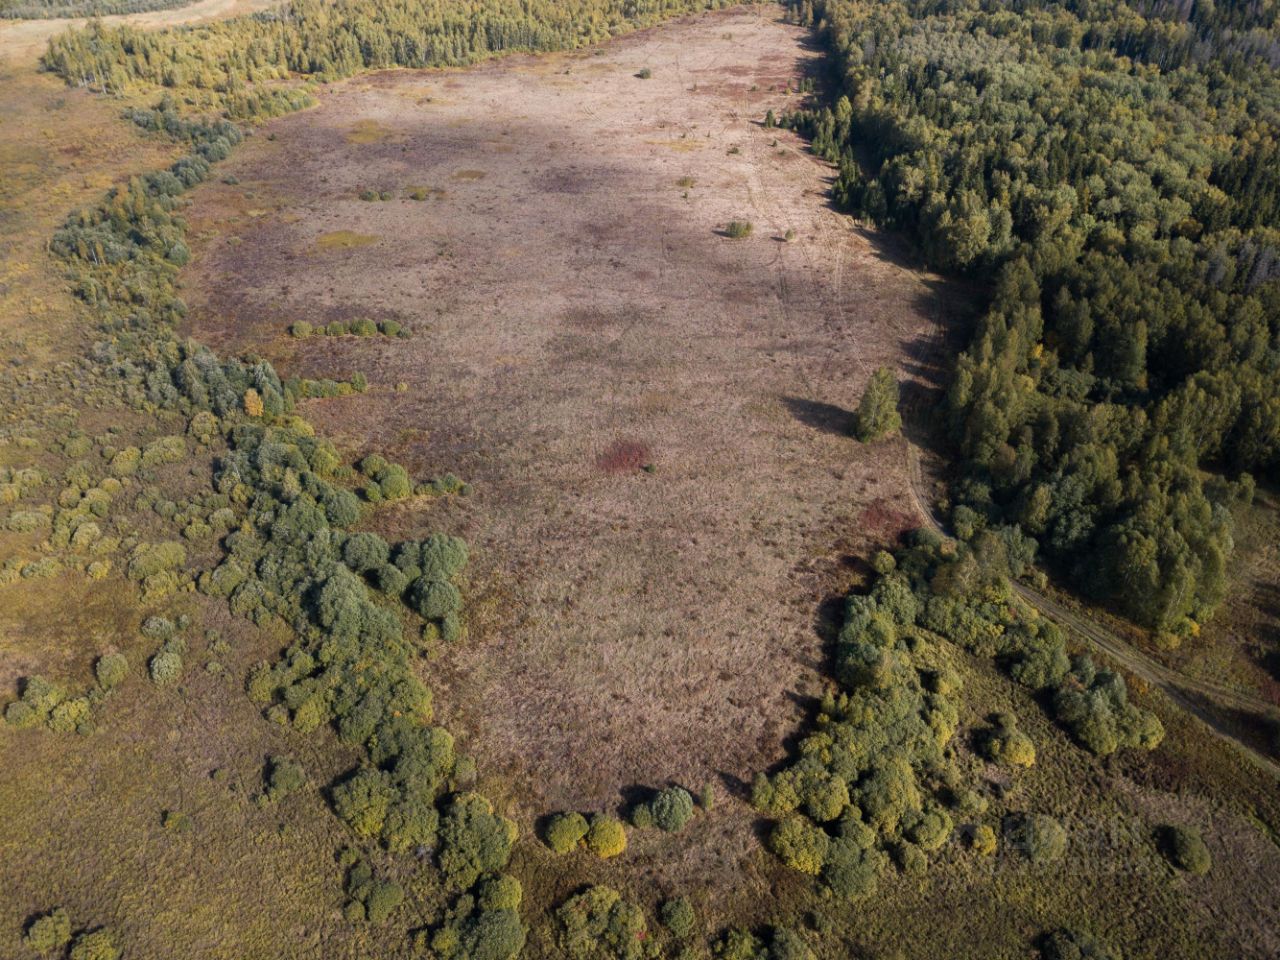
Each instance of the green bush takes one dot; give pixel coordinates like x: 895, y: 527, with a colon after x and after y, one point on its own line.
x: 738, y: 229
x: 434, y: 599
x: 166, y: 666
x: 1073, y: 945
x: 677, y: 915
x: 111, y: 669
x: 565, y: 831
x: 96, y: 945
x: 301, y: 330
x: 800, y: 845
x: 607, y: 837
x: 1039, y: 838
x: 384, y: 897
x: 672, y: 808
x: 597, y: 924
x: 1185, y: 849
x: 49, y: 932
x: 364, y: 552
x: 473, y: 840
x: 283, y: 776
x: 878, y: 415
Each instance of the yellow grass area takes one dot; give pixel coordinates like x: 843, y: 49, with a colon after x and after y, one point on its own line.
x: 343, y: 240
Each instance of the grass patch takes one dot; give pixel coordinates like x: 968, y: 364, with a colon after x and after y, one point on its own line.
x: 343, y: 240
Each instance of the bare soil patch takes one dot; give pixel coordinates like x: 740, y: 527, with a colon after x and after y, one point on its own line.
x: 663, y: 494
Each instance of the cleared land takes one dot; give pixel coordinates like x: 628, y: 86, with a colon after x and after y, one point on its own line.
x: 654, y: 415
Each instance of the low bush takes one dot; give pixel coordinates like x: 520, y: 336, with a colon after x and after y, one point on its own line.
x: 606, y: 837
x: 1039, y: 838
x: 283, y: 776
x: 1185, y: 849
x: 677, y: 915
x: 565, y: 831
x: 49, y: 932
x: 738, y: 229
x: 671, y: 809
x: 1073, y: 945
x: 94, y: 945
x: 597, y: 924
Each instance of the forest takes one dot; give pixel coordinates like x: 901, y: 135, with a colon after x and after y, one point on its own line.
x: 1108, y: 174
x: 42, y: 9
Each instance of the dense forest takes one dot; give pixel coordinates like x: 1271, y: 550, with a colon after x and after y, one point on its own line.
x: 1109, y: 172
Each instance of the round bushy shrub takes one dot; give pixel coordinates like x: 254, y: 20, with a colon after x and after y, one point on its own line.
x: 49, y: 932
x: 98, y: 945
x: 607, y: 837
x: 434, y: 599
x: 442, y: 557
x: 800, y: 845
x: 565, y: 831
x: 1186, y: 850
x: 499, y: 891
x: 165, y: 667
x: 672, y: 809
x: 364, y: 552
x: 382, y: 900
x: 677, y: 916
x: 1040, y: 838
x: 111, y: 669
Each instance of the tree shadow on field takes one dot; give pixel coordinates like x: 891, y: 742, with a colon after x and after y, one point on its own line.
x: 826, y: 417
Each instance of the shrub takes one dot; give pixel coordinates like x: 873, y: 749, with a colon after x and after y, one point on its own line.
x: 383, y: 898
x: 598, y: 923
x: 800, y: 845
x: 301, y: 330
x: 671, y: 809
x: 644, y: 74
x: 97, y: 945
x: 49, y: 932
x: 607, y: 837
x: 166, y: 666
x: 565, y: 831
x: 364, y: 800
x: 1073, y: 945
x: 148, y: 560
x: 434, y: 599
x: 851, y: 867
x: 1040, y: 838
x: 738, y: 229
x: 878, y: 415
x: 499, y: 891
x: 983, y: 840
x: 1186, y: 850
x: 284, y: 775
x: 473, y: 840
x: 677, y: 916
x: 364, y: 552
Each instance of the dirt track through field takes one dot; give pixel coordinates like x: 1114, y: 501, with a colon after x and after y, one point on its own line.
x: 654, y: 416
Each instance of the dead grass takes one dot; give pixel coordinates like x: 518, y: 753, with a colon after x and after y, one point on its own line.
x: 660, y: 625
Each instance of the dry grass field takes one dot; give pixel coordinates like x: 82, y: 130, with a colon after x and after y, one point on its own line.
x: 654, y: 416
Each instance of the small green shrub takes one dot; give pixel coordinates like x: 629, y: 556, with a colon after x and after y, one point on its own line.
x: 166, y: 666
x: 96, y: 945
x: 565, y: 831
x: 672, y: 808
x: 49, y: 932
x: 1040, y: 838
x: 1073, y: 945
x: 1185, y: 848
x: 800, y: 845
x: 738, y: 229
x: 607, y: 837
x: 283, y: 776
x: 677, y: 915
x: 384, y: 897
x: 301, y: 330
x: 644, y: 74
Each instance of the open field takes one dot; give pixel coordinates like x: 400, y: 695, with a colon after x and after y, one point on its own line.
x: 654, y: 416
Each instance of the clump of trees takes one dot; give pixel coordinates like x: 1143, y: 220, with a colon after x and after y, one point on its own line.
x: 875, y: 778
x: 481, y: 925
x: 777, y: 943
